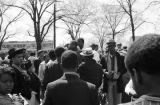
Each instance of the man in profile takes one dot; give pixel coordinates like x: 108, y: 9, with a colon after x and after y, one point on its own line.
x: 69, y: 89
x: 142, y: 62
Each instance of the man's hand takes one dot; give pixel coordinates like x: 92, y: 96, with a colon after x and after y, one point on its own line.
x: 109, y: 74
x: 116, y: 75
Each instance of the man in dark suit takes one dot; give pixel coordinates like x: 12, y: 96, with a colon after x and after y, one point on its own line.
x: 38, y: 61
x: 69, y: 89
x: 113, y: 63
x: 53, y: 70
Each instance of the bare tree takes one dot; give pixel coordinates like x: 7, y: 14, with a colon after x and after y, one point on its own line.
x: 115, y: 19
x: 41, y: 13
x: 76, y: 15
x: 100, y: 31
x: 6, y: 22
x: 127, y: 6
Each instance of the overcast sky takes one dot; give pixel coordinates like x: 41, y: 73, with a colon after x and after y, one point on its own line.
x: 151, y: 15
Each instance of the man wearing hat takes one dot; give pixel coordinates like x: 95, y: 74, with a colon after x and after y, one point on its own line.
x: 89, y: 69
x: 114, y: 68
x: 24, y: 83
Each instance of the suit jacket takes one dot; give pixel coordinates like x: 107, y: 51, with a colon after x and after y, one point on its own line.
x: 121, y: 69
x: 91, y: 71
x: 53, y: 72
x: 70, y: 90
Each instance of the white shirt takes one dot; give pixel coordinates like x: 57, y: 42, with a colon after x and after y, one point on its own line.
x: 32, y: 58
x: 96, y: 56
x: 42, y: 68
x: 129, y: 88
x: 50, y: 62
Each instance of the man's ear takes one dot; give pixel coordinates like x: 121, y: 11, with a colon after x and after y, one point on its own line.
x: 137, y: 76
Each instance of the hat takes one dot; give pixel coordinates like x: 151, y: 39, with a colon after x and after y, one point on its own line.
x: 87, y: 52
x: 119, y: 43
x: 111, y: 41
x: 39, y: 52
x: 14, y: 53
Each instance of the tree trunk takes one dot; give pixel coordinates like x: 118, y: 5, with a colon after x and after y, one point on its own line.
x: 132, y: 22
x: 38, y: 43
x: 133, y: 30
x: 113, y: 35
x: 1, y: 45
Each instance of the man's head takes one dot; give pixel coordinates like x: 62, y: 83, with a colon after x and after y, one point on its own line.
x: 17, y: 56
x: 59, y: 51
x: 73, y: 45
x: 52, y: 55
x: 32, y: 54
x: 69, y: 61
x: 93, y: 46
x: 142, y: 61
x: 80, y: 42
x: 6, y: 80
x: 40, y: 54
x: 111, y: 45
x: 96, y: 47
x: 119, y: 45
x: 87, y: 53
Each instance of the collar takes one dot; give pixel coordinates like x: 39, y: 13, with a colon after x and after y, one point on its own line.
x: 17, y: 67
x: 72, y: 73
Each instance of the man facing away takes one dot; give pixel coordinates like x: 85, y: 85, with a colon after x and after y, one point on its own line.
x: 69, y: 89
x: 53, y: 70
x: 142, y: 62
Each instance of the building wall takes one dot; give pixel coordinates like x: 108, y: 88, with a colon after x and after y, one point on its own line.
x: 26, y: 44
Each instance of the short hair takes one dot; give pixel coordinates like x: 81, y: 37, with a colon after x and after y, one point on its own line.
x: 11, y: 51
x: 69, y: 59
x: 80, y: 40
x: 52, y: 54
x: 73, y: 45
x: 59, y: 50
x: 39, y: 52
x: 144, y: 54
x: 7, y: 70
x: 93, y: 46
x: 74, y: 42
x: 32, y: 54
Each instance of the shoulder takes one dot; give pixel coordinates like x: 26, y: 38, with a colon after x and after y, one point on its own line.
x: 52, y: 65
x: 126, y: 103
x: 90, y: 85
x: 55, y: 83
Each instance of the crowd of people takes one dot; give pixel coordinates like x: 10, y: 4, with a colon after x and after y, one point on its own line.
x: 73, y: 75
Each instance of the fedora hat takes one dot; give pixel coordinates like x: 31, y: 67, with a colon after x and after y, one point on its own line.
x: 87, y: 52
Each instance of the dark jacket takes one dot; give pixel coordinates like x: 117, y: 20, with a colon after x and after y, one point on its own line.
x: 91, y: 71
x: 36, y: 65
x: 52, y: 73
x: 24, y: 83
x: 21, y: 84
x: 121, y: 69
x: 70, y: 90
